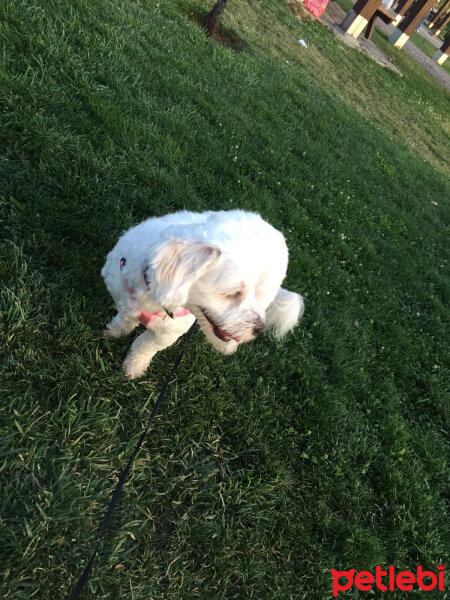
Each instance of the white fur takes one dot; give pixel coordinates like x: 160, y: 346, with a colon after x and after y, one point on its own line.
x: 283, y: 314
x: 225, y: 267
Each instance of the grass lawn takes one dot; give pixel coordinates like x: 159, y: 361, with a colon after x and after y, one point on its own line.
x: 424, y: 45
x: 427, y: 48
x: 415, y: 38
x: 270, y: 467
x: 346, y: 5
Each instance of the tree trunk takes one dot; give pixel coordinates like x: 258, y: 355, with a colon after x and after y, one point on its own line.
x: 213, y: 18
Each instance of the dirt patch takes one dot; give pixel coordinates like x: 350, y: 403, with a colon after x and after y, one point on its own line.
x: 226, y: 37
x: 298, y: 10
x: 229, y: 39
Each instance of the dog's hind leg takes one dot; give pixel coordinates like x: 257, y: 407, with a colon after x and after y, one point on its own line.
x: 121, y: 324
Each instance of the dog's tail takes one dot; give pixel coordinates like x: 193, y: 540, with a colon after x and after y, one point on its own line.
x: 284, y: 313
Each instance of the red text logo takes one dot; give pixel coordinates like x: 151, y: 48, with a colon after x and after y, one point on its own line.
x: 388, y: 580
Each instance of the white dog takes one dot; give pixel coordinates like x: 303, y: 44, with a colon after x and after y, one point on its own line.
x: 222, y: 268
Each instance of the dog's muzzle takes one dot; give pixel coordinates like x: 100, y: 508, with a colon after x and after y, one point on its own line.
x: 218, y: 331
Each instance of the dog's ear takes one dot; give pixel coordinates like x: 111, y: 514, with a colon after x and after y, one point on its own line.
x: 175, y: 266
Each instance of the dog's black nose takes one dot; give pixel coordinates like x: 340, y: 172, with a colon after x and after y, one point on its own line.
x: 259, y: 328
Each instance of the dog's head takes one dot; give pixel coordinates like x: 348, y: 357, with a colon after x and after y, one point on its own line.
x: 228, y: 291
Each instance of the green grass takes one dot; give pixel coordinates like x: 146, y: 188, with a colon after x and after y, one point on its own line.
x: 415, y: 38
x: 267, y: 468
x: 407, y: 65
x: 427, y: 48
x: 346, y: 5
x: 423, y: 44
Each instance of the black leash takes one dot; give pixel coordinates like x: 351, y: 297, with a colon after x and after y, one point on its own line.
x: 118, y: 489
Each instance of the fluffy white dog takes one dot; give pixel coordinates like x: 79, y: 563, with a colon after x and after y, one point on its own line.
x: 222, y: 268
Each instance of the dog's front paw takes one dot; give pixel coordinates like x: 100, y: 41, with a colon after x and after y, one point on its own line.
x: 120, y: 325
x: 135, y: 367
x: 111, y: 333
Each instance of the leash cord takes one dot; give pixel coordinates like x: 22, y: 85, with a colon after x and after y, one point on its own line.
x: 119, y: 486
